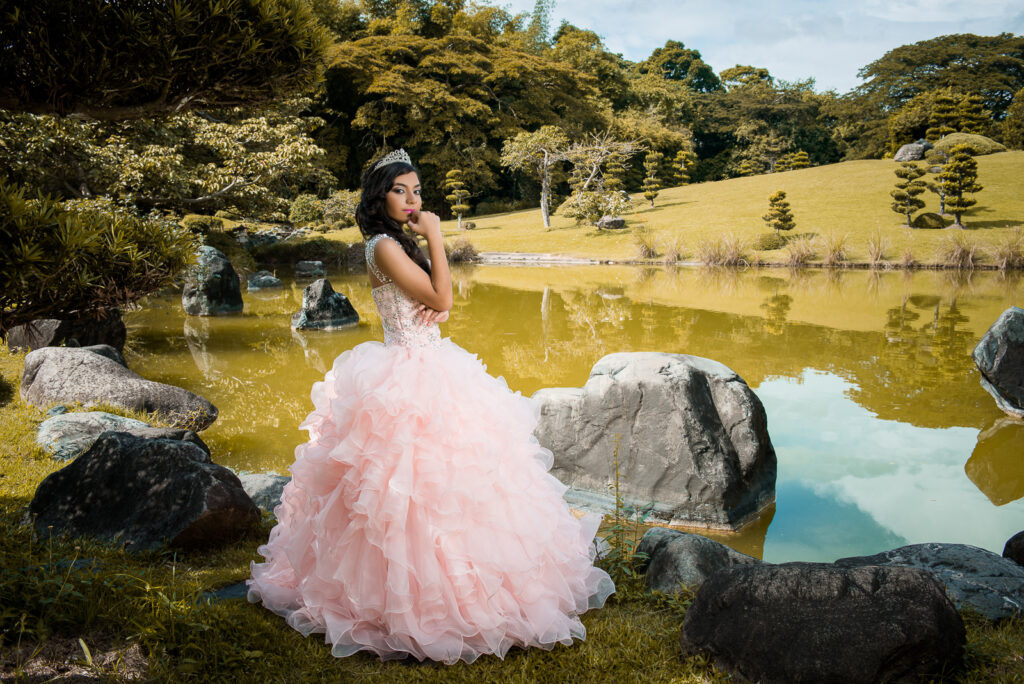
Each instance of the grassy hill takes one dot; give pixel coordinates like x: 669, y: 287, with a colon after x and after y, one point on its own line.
x: 848, y: 199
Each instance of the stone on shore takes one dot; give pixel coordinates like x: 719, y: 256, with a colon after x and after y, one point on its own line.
x: 810, y: 622
x: 94, y: 375
x: 264, y: 488
x: 211, y: 287
x: 1000, y: 358
x: 694, y: 438
x: 611, y: 222
x: 1014, y: 549
x: 142, y: 493
x: 67, y: 435
x: 107, y: 329
x: 973, y: 577
x: 323, y: 308
x: 677, y: 558
x: 911, y: 152
x: 264, y: 280
x: 310, y: 269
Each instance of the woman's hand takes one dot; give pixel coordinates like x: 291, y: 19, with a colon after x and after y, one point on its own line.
x: 425, y: 315
x: 425, y: 223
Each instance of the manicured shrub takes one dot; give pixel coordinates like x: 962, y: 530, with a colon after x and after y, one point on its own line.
x: 306, y: 209
x: 340, y: 208
x: 768, y: 242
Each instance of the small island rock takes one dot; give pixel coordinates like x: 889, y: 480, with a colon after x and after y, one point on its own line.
x: 310, y: 269
x: 211, y: 287
x: 263, y: 280
x: 323, y: 308
x: 999, y: 356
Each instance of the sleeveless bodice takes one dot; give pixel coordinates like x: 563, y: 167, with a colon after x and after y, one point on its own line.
x: 398, y: 310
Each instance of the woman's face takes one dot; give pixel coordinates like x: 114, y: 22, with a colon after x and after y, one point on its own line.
x: 403, y: 199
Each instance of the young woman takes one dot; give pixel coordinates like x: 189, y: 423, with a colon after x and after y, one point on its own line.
x: 420, y: 519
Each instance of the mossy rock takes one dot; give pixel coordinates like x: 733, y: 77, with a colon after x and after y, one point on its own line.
x: 769, y: 242
x: 979, y: 143
x: 928, y: 219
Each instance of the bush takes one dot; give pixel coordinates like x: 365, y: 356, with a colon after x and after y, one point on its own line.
x: 340, y: 208
x: 1009, y: 252
x: 674, y: 250
x: 799, y: 251
x: 589, y: 207
x: 722, y: 250
x: 643, y: 238
x: 504, y: 206
x: 929, y: 220
x: 322, y: 228
x: 202, y: 225
x: 229, y: 215
x: 959, y: 251
x: 306, y: 209
x: 768, y: 242
x: 315, y: 249
x: 876, y: 248
x: 979, y: 144
x: 461, y: 250
x: 835, y: 249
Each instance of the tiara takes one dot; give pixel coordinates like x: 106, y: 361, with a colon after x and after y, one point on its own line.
x: 398, y: 155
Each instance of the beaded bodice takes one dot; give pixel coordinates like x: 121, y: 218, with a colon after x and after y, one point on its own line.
x: 398, y: 310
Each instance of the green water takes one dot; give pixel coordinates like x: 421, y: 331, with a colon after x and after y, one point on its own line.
x: 883, y: 433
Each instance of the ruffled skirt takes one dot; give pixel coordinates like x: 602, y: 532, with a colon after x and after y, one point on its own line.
x: 421, y: 518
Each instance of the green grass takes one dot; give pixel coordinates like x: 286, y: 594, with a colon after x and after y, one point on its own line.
x: 138, y: 615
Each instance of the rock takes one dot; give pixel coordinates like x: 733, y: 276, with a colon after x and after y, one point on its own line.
x: 810, y: 622
x: 694, y: 438
x: 974, y: 578
x: 142, y: 492
x: 675, y: 558
x: 611, y: 222
x: 910, y: 152
x: 310, y: 269
x: 263, y: 280
x: 57, y: 410
x: 80, y: 332
x: 211, y: 287
x: 929, y: 220
x: 468, y: 225
x: 264, y: 488
x: 323, y: 308
x: 67, y: 435
x: 1014, y: 549
x: 1000, y: 358
x: 91, y: 375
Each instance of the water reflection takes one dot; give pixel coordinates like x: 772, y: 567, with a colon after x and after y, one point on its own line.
x: 996, y: 466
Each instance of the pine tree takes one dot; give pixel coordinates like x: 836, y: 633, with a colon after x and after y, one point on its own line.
x: 651, y: 183
x: 457, y: 194
x: 682, y: 165
x: 972, y: 115
x: 799, y: 160
x: 908, y: 187
x: 785, y: 163
x: 959, y: 180
x: 748, y: 168
x: 944, y: 118
x: 614, y: 170
x: 779, y: 216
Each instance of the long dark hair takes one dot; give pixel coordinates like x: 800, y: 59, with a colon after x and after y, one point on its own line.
x: 372, y: 216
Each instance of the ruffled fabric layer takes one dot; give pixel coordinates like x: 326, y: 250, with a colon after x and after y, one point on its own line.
x: 421, y: 518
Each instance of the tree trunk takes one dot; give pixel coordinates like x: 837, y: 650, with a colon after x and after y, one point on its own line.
x: 458, y: 222
x: 545, y: 189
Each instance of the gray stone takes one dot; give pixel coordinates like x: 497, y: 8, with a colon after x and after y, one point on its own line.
x: 809, y: 622
x: 1014, y: 549
x: 324, y: 309
x: 67, y: 435
x: 264, y: 280
x: 694, y: 438
x: 211, y: 287
x: 611, y: 222
x: 677, y: 558
x: 80, y: 332
x: 973, y: 577
x: 144, y: 493
x: 310, y: 269
x: 92, y: 376
x: 910, y: 152
x: 264, y: 488
x: 1000, y: 358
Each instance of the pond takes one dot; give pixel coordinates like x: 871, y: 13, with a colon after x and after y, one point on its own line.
x: 883, y: 433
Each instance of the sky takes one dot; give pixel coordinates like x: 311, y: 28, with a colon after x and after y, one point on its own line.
x: 827, y: 40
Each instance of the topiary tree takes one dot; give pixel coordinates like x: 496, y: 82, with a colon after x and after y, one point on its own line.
x: 944, y: 117
x: 682, y: 166
x: 779, y: 216
x: 908, y: 187
x: 785, y: 163
x: 799, y: 160
x: 651, y: 183
x: 457, y: 194
x: 959, y: 180
x: 1013, y: 125
x: 614, y: 170
x: 748, y: 168
x: 306, y: 209
x: 972, y: 115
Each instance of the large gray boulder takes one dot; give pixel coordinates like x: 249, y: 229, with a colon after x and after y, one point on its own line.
x: 676, y: 559
x: 1000, y: 358
x: 810, y: 622
x: 79, y: 332
x: 67, y: 435
x: 973, y: 577
x: 911, y: 152
x: 611, y: 222
x: 93, y: 375
x: 142, y: 493
x: 211, y: 286
x: 323, y: 308
x: 264, y: 488
x: 694, y: 438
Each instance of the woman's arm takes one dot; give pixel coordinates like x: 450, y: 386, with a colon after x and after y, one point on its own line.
x: 434, y: 290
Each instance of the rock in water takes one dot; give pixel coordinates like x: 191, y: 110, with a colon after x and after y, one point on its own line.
x: 1014, y: 549
x: 810, y: 622
x: 80, y: 332
x: 92, y: 375
x: 694, y: 437
x: 973, y: 577
x: 323, y: 308
x: 264, y: 280
x: 142, y: 492
x: 1000, y: 358
x: 67, y: 435
x: 211, y: 287
x: 310, y: 269
x: 677, y: 558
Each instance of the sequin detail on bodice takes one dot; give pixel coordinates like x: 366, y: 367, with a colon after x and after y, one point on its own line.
x: 398, y: 310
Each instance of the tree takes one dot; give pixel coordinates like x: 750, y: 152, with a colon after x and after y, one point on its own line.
x: 973, y: 118
x: 908, y: 187
x: 682, y: 166
x: 959, y: 180
x: 539, y: 29
x: 676, y: 62
x: 799, y: 160
x: 945, y: 118
x: 537, y: 152
x: 748, y: 168
x: 652, y: 184
x: 614, y: 169
x: 785, y: 163
x: 135, y: 58
x: 1013, y: 126
x: 779, y: 216
x: 457, y: 194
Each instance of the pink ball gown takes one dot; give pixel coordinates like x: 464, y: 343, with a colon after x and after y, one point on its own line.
x: 421, y: 518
